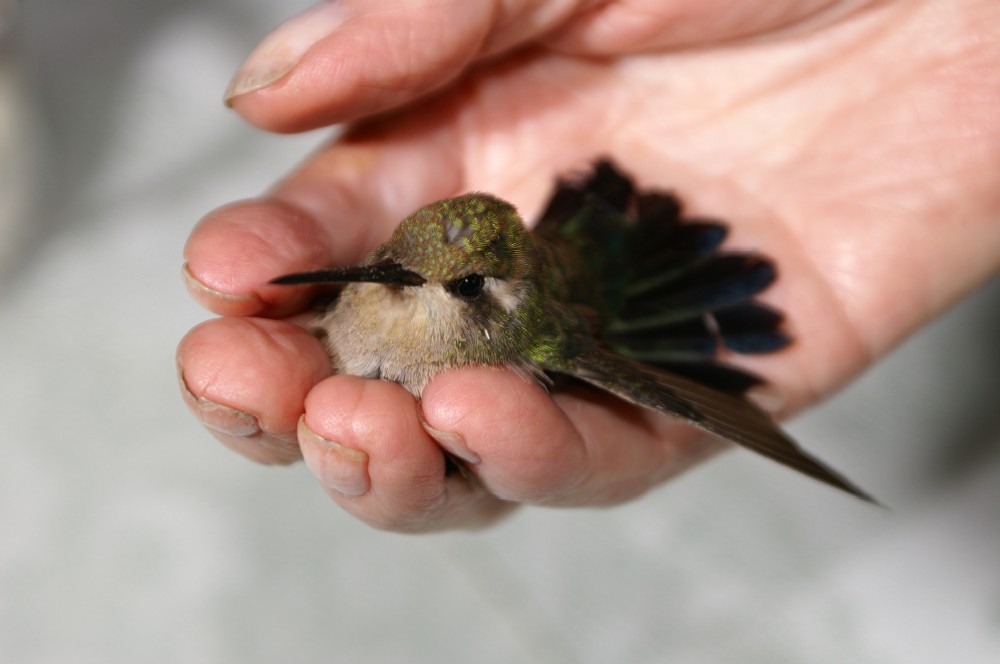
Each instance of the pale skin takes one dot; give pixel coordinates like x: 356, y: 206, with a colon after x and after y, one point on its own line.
x: 856, y: 143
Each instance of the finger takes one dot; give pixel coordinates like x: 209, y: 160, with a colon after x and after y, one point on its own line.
x: 246, y: 380
x: 577, y: 447
x: 334, y: 209
x: 364, y: 441
x: 235, y: 250
x: 341, y: 61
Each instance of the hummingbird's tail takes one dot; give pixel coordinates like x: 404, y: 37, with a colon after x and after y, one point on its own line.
x: 674, y: 299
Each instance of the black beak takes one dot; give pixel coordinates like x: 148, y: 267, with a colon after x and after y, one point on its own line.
x: 383, y: 272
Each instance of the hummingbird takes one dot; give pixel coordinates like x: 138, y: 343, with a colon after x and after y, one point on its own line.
x: 613, y: 287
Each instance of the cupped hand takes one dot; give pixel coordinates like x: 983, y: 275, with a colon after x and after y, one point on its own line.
x: 856, y: 143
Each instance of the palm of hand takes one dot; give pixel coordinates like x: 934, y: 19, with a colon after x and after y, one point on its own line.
x: 830, y: 149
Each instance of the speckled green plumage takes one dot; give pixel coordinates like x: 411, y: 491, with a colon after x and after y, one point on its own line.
x: 451, y: 238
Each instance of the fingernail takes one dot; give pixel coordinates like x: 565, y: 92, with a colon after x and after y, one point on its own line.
x: 199, y: 290
x: 452, y: 442
x: 281, y: 50
x: 218, y: 417
x: 339, y: 468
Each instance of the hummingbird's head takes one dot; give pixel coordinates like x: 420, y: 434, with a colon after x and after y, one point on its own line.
x: 459, y: 275
x: 477, y: 263
x: 456, y: 242
x: 461, y: 242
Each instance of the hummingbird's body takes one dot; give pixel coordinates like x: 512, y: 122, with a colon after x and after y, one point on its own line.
x: 611, y: 287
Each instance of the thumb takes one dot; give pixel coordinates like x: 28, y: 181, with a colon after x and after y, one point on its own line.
x: 339, y: 61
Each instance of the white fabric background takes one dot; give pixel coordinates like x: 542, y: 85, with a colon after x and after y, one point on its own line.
x: 128, y: 535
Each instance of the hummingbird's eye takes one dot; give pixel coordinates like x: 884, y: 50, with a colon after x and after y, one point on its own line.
x: 468, y: 286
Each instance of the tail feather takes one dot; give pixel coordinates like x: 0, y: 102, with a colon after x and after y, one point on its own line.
x: 717, y: 283
x: 669, y: 297
x: 656, y: 262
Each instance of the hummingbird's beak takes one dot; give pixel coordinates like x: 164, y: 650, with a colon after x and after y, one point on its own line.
x: 383, y: 272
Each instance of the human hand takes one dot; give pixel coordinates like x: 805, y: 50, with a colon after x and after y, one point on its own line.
x: 857, y: 144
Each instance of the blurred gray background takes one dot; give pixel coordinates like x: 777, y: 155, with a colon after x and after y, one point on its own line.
x: 128, y: 535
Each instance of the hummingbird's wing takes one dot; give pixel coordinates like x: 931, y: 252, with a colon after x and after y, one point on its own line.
x: 730, y: 416
x: 668, y: 296
x: 666, y: 302
x: 684, y: 322
x: 685, y: 300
